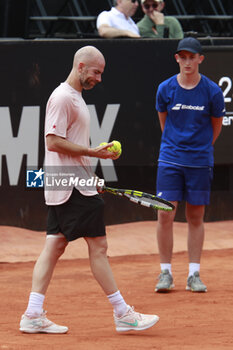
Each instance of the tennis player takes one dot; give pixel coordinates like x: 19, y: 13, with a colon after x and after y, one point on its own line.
x: 75, y: 213
x: 190, y: 108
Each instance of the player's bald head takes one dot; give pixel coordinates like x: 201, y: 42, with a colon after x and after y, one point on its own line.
x: 88, y: 55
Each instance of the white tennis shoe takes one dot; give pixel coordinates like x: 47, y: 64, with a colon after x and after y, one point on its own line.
x: 135, y: 321
x: 40, y: 324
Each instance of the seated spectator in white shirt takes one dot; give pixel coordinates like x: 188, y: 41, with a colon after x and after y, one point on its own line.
x: 118, y: 22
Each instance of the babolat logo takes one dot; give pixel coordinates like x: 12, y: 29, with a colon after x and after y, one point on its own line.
x: 179, y: 106
x: 35, y: 178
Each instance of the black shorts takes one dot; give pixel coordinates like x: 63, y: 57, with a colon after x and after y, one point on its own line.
x: 80, y: 216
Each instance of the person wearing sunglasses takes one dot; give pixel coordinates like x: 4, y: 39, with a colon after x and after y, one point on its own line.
x: 155, y: 25
x: 118, y: 22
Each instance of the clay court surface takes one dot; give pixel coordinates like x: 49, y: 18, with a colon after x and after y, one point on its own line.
x: 187, y: 320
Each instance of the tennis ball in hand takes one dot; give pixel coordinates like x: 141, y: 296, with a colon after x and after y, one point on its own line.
x: 116, y: 147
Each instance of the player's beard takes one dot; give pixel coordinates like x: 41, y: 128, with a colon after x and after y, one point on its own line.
x: 86, y: 83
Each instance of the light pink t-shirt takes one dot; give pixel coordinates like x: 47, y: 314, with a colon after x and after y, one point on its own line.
x: 67, y: 116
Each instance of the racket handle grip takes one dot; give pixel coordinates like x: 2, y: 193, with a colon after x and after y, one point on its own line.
x: 100, y: 189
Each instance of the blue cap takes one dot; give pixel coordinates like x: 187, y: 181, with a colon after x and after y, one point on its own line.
x: 189, y: 44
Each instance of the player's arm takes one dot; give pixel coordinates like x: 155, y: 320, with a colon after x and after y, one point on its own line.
x: 110, y: 32
x: 217, y: 127
x: 162, y: 119
x: 58, y: 144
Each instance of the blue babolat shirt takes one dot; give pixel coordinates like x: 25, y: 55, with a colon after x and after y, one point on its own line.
x: 188, y: 134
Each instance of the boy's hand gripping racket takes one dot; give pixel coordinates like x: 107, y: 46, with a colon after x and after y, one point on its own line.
x: 142, y: 198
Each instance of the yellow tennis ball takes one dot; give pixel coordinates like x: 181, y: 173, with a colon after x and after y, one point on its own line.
x: 116, y: 147
x: 119, y: 153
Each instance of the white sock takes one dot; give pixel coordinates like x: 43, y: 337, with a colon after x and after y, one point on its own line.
x: 118, y: 303
x: 166, y: 267
x: 193, y: 267
x: 35, y: 304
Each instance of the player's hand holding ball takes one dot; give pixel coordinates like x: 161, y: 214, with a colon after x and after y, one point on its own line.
x: 115, y: 148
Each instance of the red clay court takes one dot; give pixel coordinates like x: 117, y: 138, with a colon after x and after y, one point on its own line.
x: 188, y: 321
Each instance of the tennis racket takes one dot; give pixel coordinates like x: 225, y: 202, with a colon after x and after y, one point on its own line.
x: 142, y: 198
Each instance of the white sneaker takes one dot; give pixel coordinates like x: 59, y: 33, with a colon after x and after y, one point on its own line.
x: 133, y: 320
x: 40, y: 324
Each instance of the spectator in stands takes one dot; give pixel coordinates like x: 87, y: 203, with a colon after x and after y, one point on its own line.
x: 118, y: 22
x: 155, y: 25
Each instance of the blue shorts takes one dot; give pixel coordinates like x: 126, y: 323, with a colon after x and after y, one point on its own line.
x: 177, y: 183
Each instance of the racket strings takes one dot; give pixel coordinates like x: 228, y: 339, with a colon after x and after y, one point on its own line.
x: 153, y: 202
x: 147, y: 201
x: 142, y: 198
